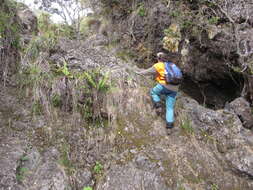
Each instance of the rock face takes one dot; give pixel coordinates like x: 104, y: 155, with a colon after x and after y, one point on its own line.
x: 9, y: 41
x: 213, y: 42
x: 242, y: 108
x: 11, y: 151
x: 22, y: 166
x: 66, y: 132
x: 207, y: 149
x: 133, y: 177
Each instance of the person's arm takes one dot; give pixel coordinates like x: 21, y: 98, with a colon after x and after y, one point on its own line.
x: 149, y: 71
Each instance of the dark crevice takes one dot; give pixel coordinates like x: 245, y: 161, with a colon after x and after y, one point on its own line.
x: 215, y: 93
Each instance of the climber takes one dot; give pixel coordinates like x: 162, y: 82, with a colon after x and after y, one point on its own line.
x: 162, y: 88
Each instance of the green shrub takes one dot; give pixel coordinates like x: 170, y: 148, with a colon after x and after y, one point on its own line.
x: 175, y: 14
x: 87, y: 188
x: 141, y: 10
x: 9, y: 27
x: 98, y: 168
x: 20, y: 173
x: 214, y: 187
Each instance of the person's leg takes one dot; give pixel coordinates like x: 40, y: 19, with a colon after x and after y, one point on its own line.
x: 170, y: 102
x: 155, y: 93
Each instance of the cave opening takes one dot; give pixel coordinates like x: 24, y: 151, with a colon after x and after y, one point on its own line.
x: 214, y: 94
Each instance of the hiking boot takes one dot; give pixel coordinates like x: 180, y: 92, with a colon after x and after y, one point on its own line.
x: 158, y: 108
x: 157, y: 105
x: 169, y: 128
x: 169, y: 125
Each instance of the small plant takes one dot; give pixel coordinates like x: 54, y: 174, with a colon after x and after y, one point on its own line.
x: 175, y: 14
x: 186, y: 126
x: 65, y: 71
x: 213, y: 20
x: 87, y: 188
x: 96, y: 80
x: 214, y: 187
x: 141, y: 10
x: 98, y: 168
x: 56, y: 100
x: 24, y: 158
x: 21, y: 172
x: 187, y: 24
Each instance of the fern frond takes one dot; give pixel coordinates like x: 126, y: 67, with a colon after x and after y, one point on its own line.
x: 102, y: 82
x: 89, y: 79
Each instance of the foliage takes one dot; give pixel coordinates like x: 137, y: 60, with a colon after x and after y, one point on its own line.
x: 213, y: 20
x: 33, y: 75
x: 56, y: 100
x: 43, y: 43
x: 65, y: 71
x: 95, y: 88
x: 87, y: 188
x: 71, y: 11
x: 141, y: 10
x: 175, y: 13
x: 48, y: 28
x: 186, y: 126
x: 96, y: 80
x: 9, y: 27
x: 20, y: 173
x: 98, y: 168
x: 214, y: 187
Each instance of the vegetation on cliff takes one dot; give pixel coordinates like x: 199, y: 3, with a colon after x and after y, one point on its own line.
x: 78, y: 116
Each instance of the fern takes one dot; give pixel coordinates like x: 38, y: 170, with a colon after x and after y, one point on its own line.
x: 102, y: 83
x: 89, y: 79
x: 64, y: 70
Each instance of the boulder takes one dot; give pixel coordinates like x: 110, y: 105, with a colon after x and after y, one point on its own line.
x: 11, y: 151
x: 130, y: 177
x: 224, y: 127
x: 242, y: 108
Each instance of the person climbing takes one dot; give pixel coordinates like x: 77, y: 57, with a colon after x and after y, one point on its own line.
x: 164, y: 87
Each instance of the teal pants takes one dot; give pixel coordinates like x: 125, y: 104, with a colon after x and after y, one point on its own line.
x: 156, y: 93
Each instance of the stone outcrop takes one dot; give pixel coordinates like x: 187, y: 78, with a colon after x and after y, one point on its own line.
x: 9, y: 40
x: 207, y: 148
x: 64, y: 133
x: 213, y: 42
x: 242, y: 108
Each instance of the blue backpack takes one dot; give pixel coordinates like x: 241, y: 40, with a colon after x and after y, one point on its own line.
x: 173, y: 74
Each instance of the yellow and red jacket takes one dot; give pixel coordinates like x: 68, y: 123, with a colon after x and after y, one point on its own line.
x: 160, y: 72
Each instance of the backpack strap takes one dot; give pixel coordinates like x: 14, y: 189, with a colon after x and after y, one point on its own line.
x: 169, y: 65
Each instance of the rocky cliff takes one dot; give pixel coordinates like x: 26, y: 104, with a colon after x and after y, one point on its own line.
x: 9, y: 39
x: 80, y: 118
x: 210, y: 40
